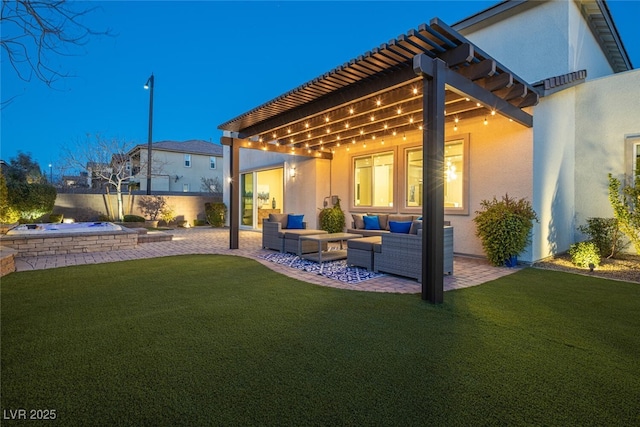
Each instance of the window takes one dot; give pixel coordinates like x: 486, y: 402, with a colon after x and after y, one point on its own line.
x: 185, y: 188
x: 632, y: 157
x: 373, y: 180
x: 187, y: 160
x: 212, y: 162
x: 456, y: 177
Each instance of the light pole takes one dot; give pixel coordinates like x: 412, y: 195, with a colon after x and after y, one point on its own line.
x: 149, y: 85
x: 50, y: 173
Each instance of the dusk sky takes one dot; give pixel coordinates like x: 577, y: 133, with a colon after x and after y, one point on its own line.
x: 212, y: 61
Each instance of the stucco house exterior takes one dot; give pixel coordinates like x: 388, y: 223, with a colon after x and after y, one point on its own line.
x: 568, y: 116
x: 178, y: 166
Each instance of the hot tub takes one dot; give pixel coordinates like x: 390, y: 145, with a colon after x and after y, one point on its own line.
x: 63, y: 239
x: 76, y: 227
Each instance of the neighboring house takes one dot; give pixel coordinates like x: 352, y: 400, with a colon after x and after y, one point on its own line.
x: 178, y: 166
x: 542, y: 106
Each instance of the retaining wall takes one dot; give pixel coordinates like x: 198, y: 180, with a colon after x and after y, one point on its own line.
x: 70, y: 243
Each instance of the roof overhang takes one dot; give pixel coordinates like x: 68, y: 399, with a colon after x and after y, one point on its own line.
x: 379, y: 93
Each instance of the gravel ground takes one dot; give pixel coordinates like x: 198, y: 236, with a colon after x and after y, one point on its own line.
x: 626, y: 268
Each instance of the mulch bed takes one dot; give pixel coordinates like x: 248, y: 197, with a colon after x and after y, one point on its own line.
x: 626, y: 267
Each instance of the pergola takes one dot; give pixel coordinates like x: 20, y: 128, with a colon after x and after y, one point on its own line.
x: 419, y: 80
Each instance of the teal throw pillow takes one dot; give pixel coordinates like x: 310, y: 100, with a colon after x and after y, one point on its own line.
x: 400, y: 226
x: 295, y: 221
x: 371, y: 222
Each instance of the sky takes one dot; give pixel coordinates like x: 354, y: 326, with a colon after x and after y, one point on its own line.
x: 212, y: 61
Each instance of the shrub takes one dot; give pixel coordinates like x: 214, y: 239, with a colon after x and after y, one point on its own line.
x: 56, y: 218
x: 216, y: 214
x: 199, y: 222
x: 332, y: 219
x: 8, y: 215
x: 167, y: 214
x: 585, y: 253
x: 31, y: 200
x: 133, y: 218
x: 605, y: 234
x: 626, y: 208
x: 504, y: 227
x: 103, y: 217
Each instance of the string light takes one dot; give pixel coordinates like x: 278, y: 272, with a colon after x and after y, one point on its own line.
x: 486, y: 122
x: 493, y: 112
x: 456, y: 119
x: 351, y: 110
x: 415, y: 90
x: 404, y: 137
x: 378, y: 103
x: 399, y: 110
x: 394, y: 132
x: 455, y: 127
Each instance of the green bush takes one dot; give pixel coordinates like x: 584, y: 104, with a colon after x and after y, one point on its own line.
x: 133, y: 218
x: 199, y: 222
x: 56, y: 218
x: 8, y: 214
x: 585, y: 253
x: 332, y: 219
x: 504, y: 227
x: 605, y: 234
x: 31, y: 200
x: 216, y: 214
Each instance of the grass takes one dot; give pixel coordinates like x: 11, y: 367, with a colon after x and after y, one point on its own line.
x: 202, y: 340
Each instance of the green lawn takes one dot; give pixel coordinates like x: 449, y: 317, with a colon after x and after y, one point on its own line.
x: 221, y: 340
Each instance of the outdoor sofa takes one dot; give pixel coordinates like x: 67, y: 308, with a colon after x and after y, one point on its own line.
x: 401, y: 254
x: 280, y: 234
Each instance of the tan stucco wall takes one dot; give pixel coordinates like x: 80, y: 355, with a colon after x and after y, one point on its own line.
x: 87, y: 207
x: 549, y: 39
x: 500, y: 162
x: 607, y: 111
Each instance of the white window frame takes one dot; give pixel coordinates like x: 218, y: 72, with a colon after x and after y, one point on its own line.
x: 185, y: 187
x: 392, y: 184
x: 459, y: 210
x: 213, y: 162
x: 187, y: 160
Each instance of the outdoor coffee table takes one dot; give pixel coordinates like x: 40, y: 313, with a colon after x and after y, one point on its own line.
x: 322, y: 256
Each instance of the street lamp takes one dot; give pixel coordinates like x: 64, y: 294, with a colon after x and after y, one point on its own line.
x: 50, y: 173
x: 149, y: 85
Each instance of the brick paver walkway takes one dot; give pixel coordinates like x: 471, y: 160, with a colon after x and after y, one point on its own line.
x: 204, y: 240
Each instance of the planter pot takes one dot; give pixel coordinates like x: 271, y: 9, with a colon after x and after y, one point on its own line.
x: 511, y: 261
x: 151, y: 224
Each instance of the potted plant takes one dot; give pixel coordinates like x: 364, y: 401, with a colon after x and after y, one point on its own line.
x: 332, y: 219
x: 504, y: 228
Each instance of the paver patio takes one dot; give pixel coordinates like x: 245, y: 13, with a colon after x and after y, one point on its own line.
x: 205, y: 240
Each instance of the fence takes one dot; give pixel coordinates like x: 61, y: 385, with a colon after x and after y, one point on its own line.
x: 90, y: 207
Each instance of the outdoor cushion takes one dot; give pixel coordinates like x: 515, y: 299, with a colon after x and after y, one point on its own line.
x: 358, y: 222
x: 400, y: 226
x: 371, y: 222
x: 295, y: 222
x: 281, y: 218
x: 399, y: 218
x: 415, y: 226
x: 383, y: 219
x: 364, y: 243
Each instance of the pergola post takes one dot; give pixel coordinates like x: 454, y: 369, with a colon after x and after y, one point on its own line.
x: 433, y: 101
x: 234, y: 193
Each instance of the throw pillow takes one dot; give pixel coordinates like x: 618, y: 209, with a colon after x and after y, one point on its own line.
x: 295, y: 222
x: 399, y: 226
x: 358, y: 222
x: 281, y: 218
x: 371, y: 222
x: 383, y: 220
x: 415, y: 226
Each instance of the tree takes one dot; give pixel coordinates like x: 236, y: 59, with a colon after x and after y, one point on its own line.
x: 23, y: 168
x: 28, y: 192
x: 34, y: 32
x: 105, y: 160
x: 210, y: 185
